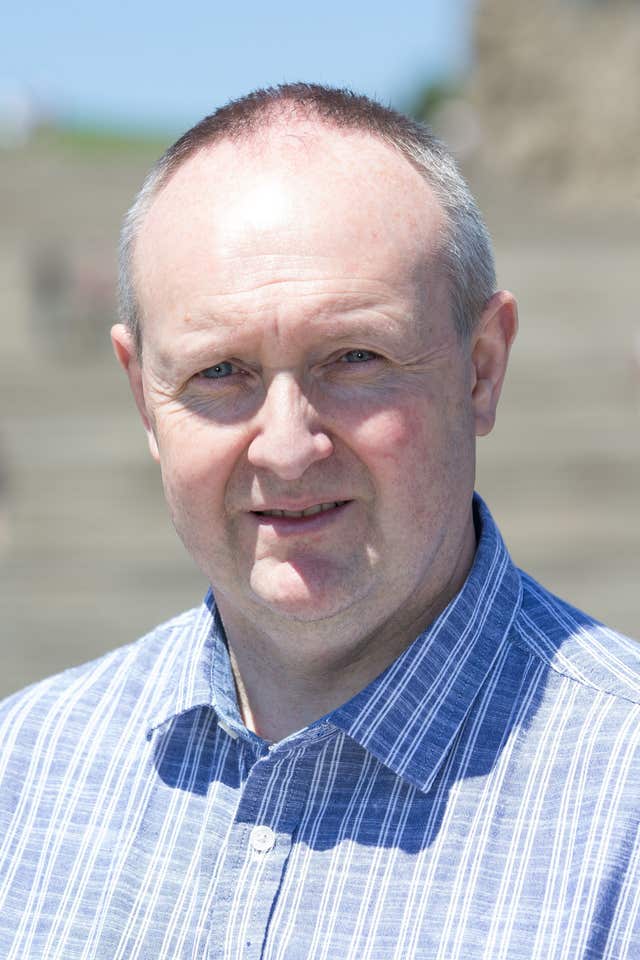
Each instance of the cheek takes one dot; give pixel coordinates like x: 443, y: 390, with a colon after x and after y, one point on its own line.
x: 387, y: 439
x: 392, y: 445
x: 196, y: 460
x: 420, y: 453
x: 394, y: 436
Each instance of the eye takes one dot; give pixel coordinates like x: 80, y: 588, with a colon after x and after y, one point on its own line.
x: 358, y: 356
x: 219, y: 370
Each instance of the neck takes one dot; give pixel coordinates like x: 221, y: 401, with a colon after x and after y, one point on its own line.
x: 290, y: 673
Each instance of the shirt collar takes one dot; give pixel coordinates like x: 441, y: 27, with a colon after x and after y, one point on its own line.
x: 409, y: 716
x: 203, y: 675
x: 192, y: 638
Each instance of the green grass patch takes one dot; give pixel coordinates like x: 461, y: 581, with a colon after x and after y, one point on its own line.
x: 100, y: 142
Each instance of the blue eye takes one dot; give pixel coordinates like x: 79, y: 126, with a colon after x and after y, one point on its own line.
x: 359, y: 356
x: 218, y: 371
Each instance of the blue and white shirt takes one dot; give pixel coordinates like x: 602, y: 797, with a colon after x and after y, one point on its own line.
x: 479, y: 799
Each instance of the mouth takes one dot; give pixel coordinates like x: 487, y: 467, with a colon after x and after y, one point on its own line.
x: 299, y: 514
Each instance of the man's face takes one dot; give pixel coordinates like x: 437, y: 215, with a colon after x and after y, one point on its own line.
x: 299, y: 355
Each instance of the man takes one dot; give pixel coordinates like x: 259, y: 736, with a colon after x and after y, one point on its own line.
x: 376, y: 738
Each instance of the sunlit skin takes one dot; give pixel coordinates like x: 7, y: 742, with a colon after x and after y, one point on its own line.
x: 298, y: 350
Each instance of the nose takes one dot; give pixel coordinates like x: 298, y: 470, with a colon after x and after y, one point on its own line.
x: 289, y: 436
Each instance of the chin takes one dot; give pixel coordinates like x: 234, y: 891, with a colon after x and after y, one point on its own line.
x: 292, y: 595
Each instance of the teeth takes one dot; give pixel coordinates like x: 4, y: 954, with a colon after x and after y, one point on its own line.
x: 309, y: 512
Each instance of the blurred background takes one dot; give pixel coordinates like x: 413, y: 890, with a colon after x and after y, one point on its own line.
x: 540, y: 103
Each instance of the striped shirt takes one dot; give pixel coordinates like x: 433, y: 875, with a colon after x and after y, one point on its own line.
x: 479, y: 799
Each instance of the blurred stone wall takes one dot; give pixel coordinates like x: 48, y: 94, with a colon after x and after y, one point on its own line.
x: 556, y: 90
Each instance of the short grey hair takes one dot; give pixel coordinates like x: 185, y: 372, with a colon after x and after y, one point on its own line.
x: 466, y: 251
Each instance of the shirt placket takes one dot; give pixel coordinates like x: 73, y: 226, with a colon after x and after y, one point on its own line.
x: 258, y: 848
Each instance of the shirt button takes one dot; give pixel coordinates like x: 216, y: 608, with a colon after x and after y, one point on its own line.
x: 262, y: 839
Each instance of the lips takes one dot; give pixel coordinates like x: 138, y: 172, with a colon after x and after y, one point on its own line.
x: 307, y: 512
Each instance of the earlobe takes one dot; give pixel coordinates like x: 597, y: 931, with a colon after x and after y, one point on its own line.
x: 491, y: 343
x: 125, y: 350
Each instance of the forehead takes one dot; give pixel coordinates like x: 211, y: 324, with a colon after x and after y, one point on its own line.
x: 298, y: 200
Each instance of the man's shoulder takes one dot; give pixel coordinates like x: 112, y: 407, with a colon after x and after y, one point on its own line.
x: 576, y: 645
x: 126, y: 669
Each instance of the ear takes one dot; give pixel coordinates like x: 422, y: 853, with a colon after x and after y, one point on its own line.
x: 490, y: 345
x: 125, y: 350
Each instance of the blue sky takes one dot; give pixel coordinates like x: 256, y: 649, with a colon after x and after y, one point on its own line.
x: 164, y: 65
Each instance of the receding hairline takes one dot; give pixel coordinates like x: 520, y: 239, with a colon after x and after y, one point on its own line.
x: 467, y: 253
x: 280, y: 124
x: 280, y: 116
x: 275, y: 124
